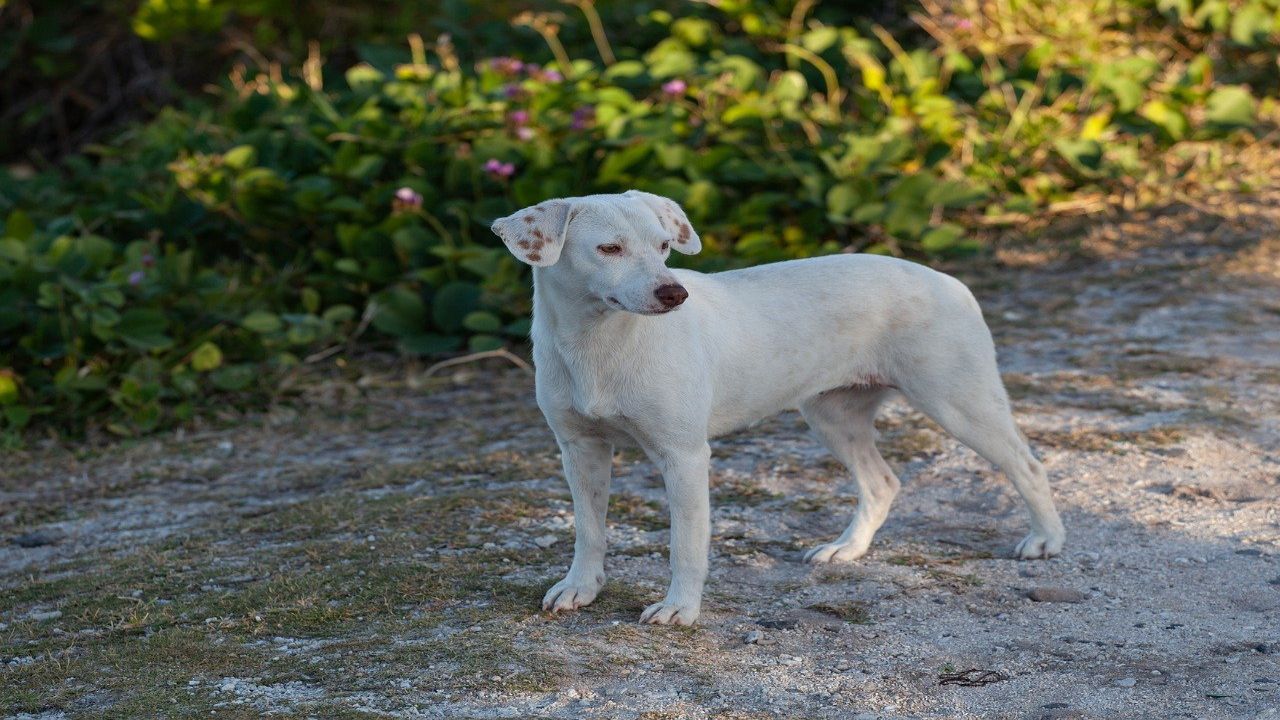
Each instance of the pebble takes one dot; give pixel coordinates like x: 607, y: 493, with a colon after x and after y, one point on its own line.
x: 752, y: 637
x: 43, y: 616
x: 546, y: 541
x: 1056, y: 594
x: 1127, y: 682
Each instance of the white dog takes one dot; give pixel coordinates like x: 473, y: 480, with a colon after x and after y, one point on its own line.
x: 631, y: 352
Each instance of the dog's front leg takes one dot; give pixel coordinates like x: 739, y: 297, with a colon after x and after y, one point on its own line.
x: 587, y: 462
x: 685, y: 475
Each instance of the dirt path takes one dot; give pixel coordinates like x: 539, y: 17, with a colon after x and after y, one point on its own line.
x: 379, y: 545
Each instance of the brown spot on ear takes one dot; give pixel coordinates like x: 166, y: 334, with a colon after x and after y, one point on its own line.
x: 537, y: 244
x: 539, y: 208
x: 527, y: 218
x: 523, y: 244
x: 685, y: 231
x: 538, y: 234
x: 534, y: 257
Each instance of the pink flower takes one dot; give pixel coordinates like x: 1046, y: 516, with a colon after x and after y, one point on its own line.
x: 499, y: 169
x: 525, y: 133
x: 583, y: 117
x: 964, y: 24
x: 512, y: 91
x: 537, y: 73
x: 506, y: 65
x: 406, y: 199
x: 519, y: 117
x: 675, y: 88
x: 135, y: 277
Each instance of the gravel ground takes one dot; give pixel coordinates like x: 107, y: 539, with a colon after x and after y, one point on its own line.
x: 378, y: 544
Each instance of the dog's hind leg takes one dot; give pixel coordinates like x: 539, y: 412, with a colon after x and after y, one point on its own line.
x: 844, y: 420
x: 969, y: 401
x: 587, y: 464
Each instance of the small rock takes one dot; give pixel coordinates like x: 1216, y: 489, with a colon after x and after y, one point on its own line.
x: 43, y: 616
x: 38, y: 538
x: 752, y: 637
x: 546, y: 541
x: 1056, y: 594
x: 1127, y: 682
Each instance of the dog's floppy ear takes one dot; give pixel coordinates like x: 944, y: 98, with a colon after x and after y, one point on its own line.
x: 672, y: 219
x: 535, y: 234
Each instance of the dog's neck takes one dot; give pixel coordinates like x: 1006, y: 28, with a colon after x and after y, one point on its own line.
x: 573, y: 316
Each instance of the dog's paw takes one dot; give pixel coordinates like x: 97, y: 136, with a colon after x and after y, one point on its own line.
x: 834, y: 553
x: 669, y: 613
x: 1039, y: 546
x: 570, y: 595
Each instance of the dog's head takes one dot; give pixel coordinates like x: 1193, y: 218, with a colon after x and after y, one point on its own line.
x: 614, y: 246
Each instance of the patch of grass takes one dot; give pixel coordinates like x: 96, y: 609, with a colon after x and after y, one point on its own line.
x: 1153, y: 363
x: 902, y: 442
x: 740, y: 491
x: 850, y: 612
x: 500, y: 466
x: 1111, y: 441
x: 638, y: 512
x: 955, y: 582
x: 912, y: 560
x: 831, y: 503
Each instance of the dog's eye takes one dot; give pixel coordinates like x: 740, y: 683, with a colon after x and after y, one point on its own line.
x: 664, y: 246
x: 610, y: 249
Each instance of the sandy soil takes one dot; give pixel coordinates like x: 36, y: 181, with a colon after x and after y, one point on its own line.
x: 378, y: 544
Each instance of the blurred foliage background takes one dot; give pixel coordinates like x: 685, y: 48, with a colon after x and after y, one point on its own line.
x: 200, y: 197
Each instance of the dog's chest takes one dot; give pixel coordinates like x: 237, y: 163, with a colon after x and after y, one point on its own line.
x: 606, y: 403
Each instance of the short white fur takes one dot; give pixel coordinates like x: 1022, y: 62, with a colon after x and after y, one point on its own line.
x: 831, y: 336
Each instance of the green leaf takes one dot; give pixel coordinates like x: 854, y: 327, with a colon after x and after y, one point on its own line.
x: 311, y: 300
x: 482, y: 322
x: 364, y: 77
x: 819, y: 39
x: 1230, y: 106
x: 8, y: 387
x: 144, y: 329
x: 19, y: 225
x: 400, y: 312
x: 1251, y: 24
x: 261, y: 321
x: 789, y: 86
x: 484, y: 343
x: 240, y: 157
x: 234, y: 377
x: 1167, y: 117
x: 452, y: 303
x: 1127, y: 92
x: 339, y: 314
x: 1083, y: 155
x: 206, y: 357
x: 941, y: 238
x: 841, y: 200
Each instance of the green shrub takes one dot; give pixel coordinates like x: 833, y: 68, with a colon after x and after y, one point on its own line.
x: 218, y: 245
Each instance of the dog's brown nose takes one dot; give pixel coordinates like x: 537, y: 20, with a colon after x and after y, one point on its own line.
x: 671, y: 295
